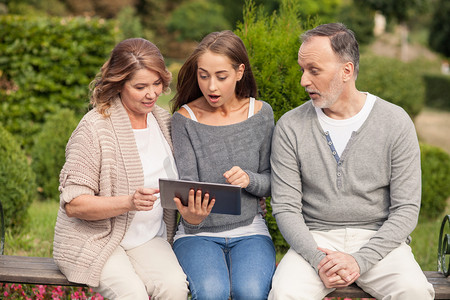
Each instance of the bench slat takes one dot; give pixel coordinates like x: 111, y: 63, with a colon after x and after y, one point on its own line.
x: 43, y: 270
x: 35, y: 270
x: 352, y: 291
x: 440, y: 283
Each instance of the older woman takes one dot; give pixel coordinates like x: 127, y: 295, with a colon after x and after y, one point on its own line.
x: 111, y: 232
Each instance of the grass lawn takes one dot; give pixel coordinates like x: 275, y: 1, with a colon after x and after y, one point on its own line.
x: 164, y: 100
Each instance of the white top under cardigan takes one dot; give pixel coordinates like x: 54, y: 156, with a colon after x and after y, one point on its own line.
x: 258, y: 226
x: 157, y: 162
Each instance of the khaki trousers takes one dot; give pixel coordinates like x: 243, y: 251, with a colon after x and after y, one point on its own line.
x: 396, y: 276
x: 151, y: 269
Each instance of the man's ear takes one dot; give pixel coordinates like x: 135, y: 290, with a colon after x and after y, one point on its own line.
x: 348, y: 70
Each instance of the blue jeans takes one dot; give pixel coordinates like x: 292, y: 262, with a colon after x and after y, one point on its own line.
x: 219, y: 268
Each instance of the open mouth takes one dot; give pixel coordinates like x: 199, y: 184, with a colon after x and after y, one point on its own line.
x: 214, y: 98
x: 312, y: 94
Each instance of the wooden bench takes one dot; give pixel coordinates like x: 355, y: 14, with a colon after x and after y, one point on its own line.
x: 43, y: 270
x: 32, y: 270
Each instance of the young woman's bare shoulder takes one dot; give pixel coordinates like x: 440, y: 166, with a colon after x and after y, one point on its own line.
x: 258, y: 105
x: 182, y: 111
x: 193, y: 105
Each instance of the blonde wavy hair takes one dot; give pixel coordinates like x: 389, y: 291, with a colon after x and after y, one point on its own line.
x: 126, y: 58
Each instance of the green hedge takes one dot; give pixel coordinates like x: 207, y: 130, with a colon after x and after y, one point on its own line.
x: 394, y: 81
x: 48, y: 153
x: 17, y: 181
x: 47, y: 64
x: 272, y: 43
x: 437, y: 91
x: 435, y: 180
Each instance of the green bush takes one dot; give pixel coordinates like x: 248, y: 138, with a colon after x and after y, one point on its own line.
x: 48, y: 153
x: 47, y: 64
x: 437, y: 91
x: 192, y: 20
x: 395, y: 81
x: 17, y: 181
x: 129, y: 23
x: 360, y: 18
x: 435, y: 180
x: 272, y: 43
x: 439, y: 37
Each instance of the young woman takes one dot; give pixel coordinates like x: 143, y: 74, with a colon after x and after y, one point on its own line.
x: 111, y: 232
x: 222, y: 134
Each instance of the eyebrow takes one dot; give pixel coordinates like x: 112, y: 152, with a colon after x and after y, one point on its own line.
x: 218, y: 72
x: 146, y: 83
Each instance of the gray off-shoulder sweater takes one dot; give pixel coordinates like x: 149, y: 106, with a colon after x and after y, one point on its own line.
x: 203, y: 153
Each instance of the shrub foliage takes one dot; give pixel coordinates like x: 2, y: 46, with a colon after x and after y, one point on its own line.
x: 435, y: 180
x: 17, y: 181
x: 48, y: 153
x: 186, y: 22
x: 46, y: 64
x: 436, y: 91
x: 272, y: 43
x: 439, y: 37
x: 394, y: 81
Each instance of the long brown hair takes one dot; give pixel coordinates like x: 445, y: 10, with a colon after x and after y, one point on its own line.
x: 224, y: 43
x: 126, y: 58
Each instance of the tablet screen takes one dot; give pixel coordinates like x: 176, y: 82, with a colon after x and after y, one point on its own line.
x: 228, y: 197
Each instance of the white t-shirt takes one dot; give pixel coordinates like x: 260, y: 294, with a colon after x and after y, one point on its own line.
x: 157, y: 162
x: 340, y: 131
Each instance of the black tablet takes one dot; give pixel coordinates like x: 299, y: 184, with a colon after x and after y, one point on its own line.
x: 228, y: 197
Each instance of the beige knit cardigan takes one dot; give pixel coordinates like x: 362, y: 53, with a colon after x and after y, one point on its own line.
x: 101, y: 159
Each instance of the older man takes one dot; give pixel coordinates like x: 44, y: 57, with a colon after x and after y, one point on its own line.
x: 346, y: 182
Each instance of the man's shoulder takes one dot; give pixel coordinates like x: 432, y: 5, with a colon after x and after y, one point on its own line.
x: 297, y: 113
x: 390, y: 112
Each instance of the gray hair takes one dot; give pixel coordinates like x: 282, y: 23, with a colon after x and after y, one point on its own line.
x: 343, y: 42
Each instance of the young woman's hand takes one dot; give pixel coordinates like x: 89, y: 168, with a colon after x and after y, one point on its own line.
x: 197, y: 209
x: 143, y: 199
x: 237, y: 176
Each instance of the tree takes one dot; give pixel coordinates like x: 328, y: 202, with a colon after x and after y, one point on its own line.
x: 233, y: 8
x: 129, y: 24
x: 324, y: 10
x: 401, y: 11
x: 33, y: 7
x: 102, y: 8
x: 439, y: 38
x: 194, y: 19
x: 272, y: 43
x: 360, y: 19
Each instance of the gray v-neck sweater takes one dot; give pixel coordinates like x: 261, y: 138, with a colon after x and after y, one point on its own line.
x: 203, y: 153
x: 375, y: 185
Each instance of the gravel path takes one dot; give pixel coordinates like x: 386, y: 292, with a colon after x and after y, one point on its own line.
x: 433, y: 127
